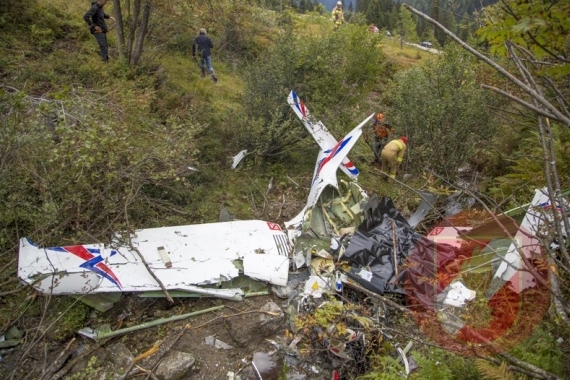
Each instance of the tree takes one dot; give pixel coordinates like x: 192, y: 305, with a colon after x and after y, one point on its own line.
x: 137, y: 28
x: 407, y: 26
x: 532, y: 38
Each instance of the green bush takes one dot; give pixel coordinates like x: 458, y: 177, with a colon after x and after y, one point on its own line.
x: 329, y: 72
x: 442, y: 110
x: 74, y: 166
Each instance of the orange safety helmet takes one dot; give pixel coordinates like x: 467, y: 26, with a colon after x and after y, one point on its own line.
x: 404, y: 139
x: 379, y: 116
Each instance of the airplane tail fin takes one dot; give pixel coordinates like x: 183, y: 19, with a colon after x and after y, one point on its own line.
x: 329, y: 161
x: 319, y: 132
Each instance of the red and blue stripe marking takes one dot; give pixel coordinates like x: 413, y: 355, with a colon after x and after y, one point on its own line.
x: 300, y: 105
x: 93, y: 261
x: 331, y: 153
x: 547, y: 206
x: 304, y: 112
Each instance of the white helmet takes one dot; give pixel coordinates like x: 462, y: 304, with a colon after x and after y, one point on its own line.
x: 338, y: 3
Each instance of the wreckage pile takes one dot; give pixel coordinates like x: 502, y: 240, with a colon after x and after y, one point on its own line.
x: 336, y: 305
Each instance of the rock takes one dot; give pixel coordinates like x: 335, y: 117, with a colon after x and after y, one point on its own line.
x: 175, y: 365
x: 211, y: 340
x: 120, y: 356
x: 407, y: 177
x: 14, y: 333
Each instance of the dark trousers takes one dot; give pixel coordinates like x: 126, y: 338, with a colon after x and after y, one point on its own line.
x: 104, y: 48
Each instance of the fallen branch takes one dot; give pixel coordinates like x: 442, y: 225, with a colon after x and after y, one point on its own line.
x: 149, y: 269
x: 527, y: 367
x: 73, y: 362
x: 371, y: 294
x: 11, y: 291
x: 291, y: 179
x: 282, y: 206
x: 59, y: 361
x: 395, y: 249
x: 142, y: 356
x: 5, y: 267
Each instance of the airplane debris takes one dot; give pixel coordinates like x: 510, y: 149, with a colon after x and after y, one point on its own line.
x: 211, y: 340
x: 105, y: 331
x: 457, y: 294
x: 402, y: 356
x: 202, y: 254
x: 238, y: 157
x: 315, y: 286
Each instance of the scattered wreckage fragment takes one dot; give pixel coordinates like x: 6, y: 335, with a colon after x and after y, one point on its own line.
x: 193, y: 259
x: 499, y: 254
x: 479, y: 284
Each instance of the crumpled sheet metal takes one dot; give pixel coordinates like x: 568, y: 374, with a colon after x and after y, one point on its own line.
x: 372, y: 247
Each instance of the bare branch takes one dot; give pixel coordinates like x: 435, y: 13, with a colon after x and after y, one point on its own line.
x: 520, y: 101
x: 539, y: 98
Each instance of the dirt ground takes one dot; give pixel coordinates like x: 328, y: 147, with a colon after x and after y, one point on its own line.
x: 239, y: 324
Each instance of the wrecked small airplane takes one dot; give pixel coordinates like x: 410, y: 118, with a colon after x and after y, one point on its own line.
x: 203, y: 259
x: 194, y: 258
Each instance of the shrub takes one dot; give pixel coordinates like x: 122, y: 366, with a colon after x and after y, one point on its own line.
x: 442, y: 110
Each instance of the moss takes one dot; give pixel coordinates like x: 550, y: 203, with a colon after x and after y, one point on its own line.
x: 65, y: 316
x: 89, y: 372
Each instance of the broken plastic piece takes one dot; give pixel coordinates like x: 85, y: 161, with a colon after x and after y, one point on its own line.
x: 315, y: 286
x: 164, y: 256
x: 211, y: 340
x: 458, y: 294
x: 238, y: 157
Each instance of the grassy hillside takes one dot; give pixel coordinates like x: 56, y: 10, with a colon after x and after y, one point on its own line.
x: 89, y: 149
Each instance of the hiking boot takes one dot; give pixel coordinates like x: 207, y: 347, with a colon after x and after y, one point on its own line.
x: 214, y: 78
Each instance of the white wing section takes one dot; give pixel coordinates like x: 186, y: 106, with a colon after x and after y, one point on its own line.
x: 181, y: 257
x: 525, y: 240
x: 320, y: 133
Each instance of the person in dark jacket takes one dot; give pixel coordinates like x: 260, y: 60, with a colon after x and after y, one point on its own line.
x: 201, y: 46
x: 95, y: 18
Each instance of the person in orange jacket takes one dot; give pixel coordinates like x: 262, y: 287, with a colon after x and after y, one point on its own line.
x: 382, y: 131
x: 393, y: 154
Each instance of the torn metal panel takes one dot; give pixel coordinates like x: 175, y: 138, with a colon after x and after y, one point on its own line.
x: 192, y: 256
x: 271, y: 268
x: 427, y: 203
x: 535, y: 217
